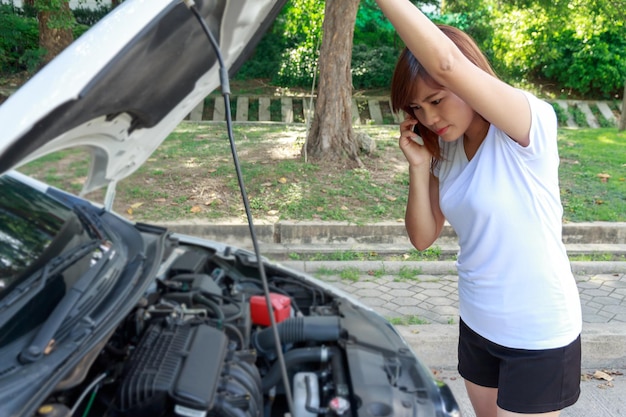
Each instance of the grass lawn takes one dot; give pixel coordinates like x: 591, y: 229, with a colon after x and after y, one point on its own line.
x: 192, y: 176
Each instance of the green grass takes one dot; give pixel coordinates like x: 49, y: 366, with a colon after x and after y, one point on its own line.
x: 578, y: 116
x: 191, y: 176
x: 585, y: 153
x: 350, y: 274
x: 407, y: 320
x: 342, y: 256
x: 595, y: 257
x: 408, y: 274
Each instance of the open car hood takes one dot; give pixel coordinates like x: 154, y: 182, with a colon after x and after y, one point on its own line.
x: 122, y: 87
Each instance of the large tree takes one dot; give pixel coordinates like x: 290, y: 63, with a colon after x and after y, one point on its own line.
x: 331, y: 137
x: 55, y: 26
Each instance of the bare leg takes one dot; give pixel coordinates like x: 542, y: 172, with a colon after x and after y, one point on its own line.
x: 483, y: 399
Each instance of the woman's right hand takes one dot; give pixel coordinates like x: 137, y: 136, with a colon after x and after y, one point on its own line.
x: 411, y: 144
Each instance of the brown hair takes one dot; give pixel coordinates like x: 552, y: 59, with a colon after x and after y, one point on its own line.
x: 408, y: 69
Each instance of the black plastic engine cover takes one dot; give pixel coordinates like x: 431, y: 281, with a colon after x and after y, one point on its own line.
x: 175, y: 366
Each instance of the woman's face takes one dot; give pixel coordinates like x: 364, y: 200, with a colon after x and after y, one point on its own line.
x: 441, y: 111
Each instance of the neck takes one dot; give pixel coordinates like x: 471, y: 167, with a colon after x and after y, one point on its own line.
x: 477, y: 131
x: 474, y: 136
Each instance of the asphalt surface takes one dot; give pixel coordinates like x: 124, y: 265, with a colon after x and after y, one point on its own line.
x: 420, y: 298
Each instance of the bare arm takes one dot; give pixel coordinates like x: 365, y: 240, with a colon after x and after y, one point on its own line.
x: 423, y: 219
x: 493, y: 99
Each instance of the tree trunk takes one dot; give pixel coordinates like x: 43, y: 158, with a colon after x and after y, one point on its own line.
x: 622, y: 117
x: 55, y: 27
x: 331, y: 137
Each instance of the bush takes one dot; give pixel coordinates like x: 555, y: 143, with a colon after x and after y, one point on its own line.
x: 297, y: 67
x: 89, y: 17
x: 265, y: 60
x: 373, y: 67
x: 564, y: 48
x: 19, y: 40
x: 594, y: 66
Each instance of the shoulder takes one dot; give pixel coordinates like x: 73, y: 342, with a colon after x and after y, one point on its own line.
x: 543, y: 127
x: 542, y: 112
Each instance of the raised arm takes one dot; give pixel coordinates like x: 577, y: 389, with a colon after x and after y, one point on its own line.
x: 499, y: 103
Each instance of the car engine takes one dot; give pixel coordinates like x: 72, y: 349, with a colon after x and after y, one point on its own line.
x: 199, y: 343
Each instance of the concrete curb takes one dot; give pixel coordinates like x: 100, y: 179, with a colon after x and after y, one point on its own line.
x: 384, y: 233
x: 602, y: 344
x: 435, y: 267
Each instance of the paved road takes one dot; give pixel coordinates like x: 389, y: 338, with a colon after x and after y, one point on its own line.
x: 427, y: 295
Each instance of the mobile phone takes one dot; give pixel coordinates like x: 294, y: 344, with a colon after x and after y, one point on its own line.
x: 418, y: 139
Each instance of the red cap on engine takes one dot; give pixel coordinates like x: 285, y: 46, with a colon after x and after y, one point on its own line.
x: 258, y: 308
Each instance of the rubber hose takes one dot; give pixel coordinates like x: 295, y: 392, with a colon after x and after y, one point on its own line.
x: 298, y: 329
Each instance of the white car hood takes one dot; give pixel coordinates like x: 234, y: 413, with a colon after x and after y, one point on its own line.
x: 122, y: 87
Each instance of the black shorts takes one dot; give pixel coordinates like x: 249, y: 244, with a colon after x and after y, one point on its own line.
x: 528, y: 381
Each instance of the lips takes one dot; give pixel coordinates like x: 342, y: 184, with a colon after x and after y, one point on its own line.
x: 442, y: 131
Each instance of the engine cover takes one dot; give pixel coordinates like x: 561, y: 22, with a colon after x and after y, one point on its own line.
x: 175, y: 366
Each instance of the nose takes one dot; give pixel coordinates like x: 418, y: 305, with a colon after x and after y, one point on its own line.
x: 430, y: 116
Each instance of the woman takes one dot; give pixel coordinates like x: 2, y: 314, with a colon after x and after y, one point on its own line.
x: 487, y: 161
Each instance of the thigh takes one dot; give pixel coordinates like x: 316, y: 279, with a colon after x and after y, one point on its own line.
x: 483, y: 399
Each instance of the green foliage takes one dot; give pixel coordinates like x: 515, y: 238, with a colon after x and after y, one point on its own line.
x: 473, y: 17
x: 372, y: 67
x: 297, y: 67
x: 591, y: 64
x: 578, y: 47
x: 87, y: 16
x: 60, y: 16
x: 265, y: 60
x: 78, y: 30
x: 31, y: 59
x: 287, y: 54
x: 19, y: 40
x: 19, y: 31
x: 561, y: 114
x: 302, y: 31
x: 372, y: 28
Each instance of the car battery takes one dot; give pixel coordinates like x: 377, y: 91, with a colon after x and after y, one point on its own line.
x: 281, y: 305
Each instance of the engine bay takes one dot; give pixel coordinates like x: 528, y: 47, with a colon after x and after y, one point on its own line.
x: 200, y: 343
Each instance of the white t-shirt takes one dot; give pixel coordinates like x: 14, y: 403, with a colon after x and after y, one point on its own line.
x: 516, y: 287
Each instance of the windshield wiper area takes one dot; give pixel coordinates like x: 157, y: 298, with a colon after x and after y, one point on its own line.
x: 90, y: 221
x: 44, y: 338
x: 34, y: 285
